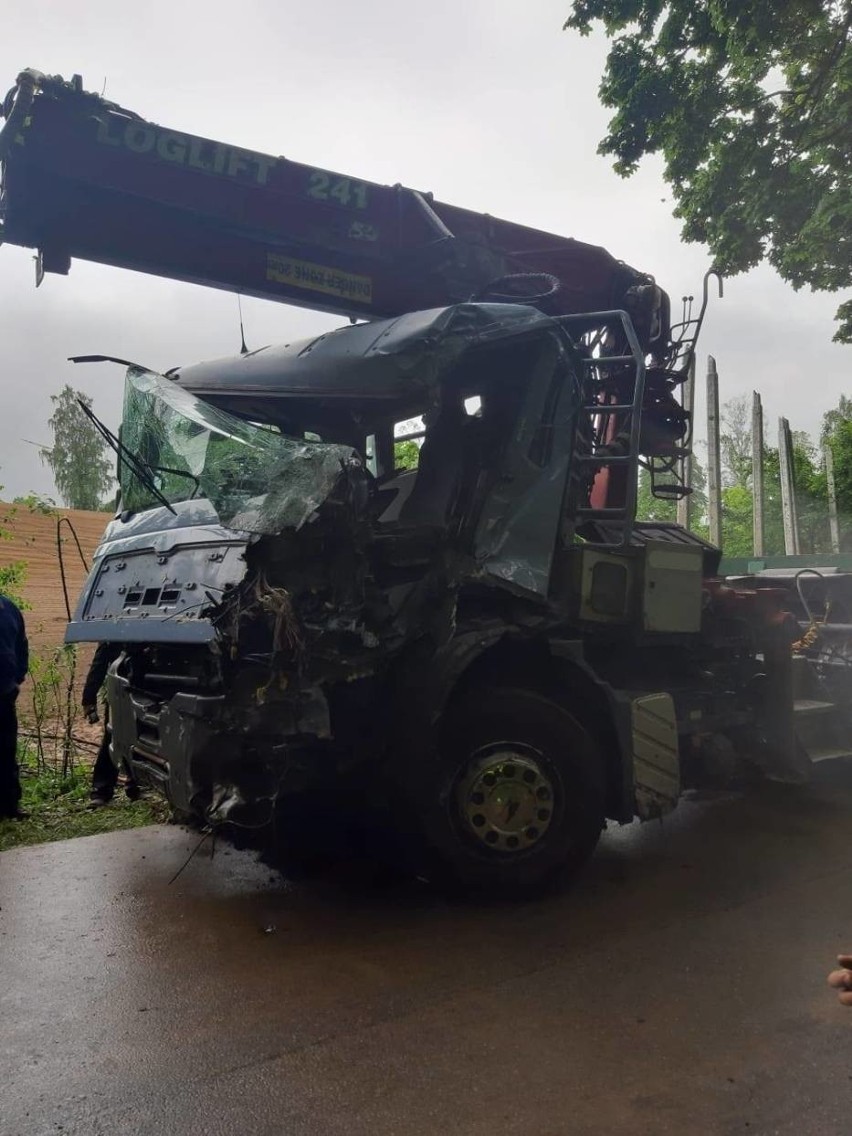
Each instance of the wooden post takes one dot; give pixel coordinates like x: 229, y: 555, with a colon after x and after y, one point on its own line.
x: 788, y: 488
x: 833, y: 525
x: 714, y: 455
x: 757, y: 473
x: 684, y: 505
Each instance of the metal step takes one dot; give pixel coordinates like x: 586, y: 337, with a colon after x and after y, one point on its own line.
x: 604, y: 459
x: 821, y: 735
x: 611, y: 513
x: 811, y: 707
x: 828, y: 753
x: 670, y: 492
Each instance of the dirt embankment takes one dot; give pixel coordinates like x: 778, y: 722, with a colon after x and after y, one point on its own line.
x: 33, y: 540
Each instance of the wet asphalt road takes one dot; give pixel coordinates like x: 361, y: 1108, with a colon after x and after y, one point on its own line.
x: 679, y: 988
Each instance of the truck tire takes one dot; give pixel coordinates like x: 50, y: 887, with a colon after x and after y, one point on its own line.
x: 514, y: 799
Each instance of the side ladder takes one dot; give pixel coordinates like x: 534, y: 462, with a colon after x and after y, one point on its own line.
x: 609, y: 423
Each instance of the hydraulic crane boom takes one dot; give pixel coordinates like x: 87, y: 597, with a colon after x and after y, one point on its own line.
x: 83, y: 177
x: 300, y: 619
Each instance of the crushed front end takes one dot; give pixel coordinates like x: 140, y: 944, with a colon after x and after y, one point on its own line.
x: 264, y: 581
x: 212, y: 699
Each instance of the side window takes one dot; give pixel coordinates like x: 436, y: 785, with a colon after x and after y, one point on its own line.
x: 371, y: 454
x: 541, y: 446
x: 410, y: 433
x: 407, y: 439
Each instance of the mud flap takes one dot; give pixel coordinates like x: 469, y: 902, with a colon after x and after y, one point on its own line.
x: 656, y: 755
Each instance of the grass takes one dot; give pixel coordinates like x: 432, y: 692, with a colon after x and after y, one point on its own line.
x: 58, y: 809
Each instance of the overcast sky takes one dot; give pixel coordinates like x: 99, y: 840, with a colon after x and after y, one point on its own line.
x: 485, y: 106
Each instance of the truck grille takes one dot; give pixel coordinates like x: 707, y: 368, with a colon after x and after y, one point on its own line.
x: 159, y: 673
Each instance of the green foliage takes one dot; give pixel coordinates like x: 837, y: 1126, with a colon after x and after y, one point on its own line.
x: 53, y: 708
x: 773, y: 516
x: 81, y: 469
x: 406, y: 455
x: 12, y: 578
x: 811, y: 495
x: 13, y: 574
x: 837, y: 434
x: 56, y: 764
x: 811, y: 499
x: 735, y: 442
x: 737, y: 509
x: 38, y: 503
x: 841, y: 450
x: 834, y: 419
x: 749, y: 105
x: 57, y: 807
x: 737, y: 496
x: 650, y: 508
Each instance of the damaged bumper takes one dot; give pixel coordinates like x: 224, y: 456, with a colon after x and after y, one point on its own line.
x: 215, y: 760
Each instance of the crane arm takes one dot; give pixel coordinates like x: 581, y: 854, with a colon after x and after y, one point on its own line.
x: 84, y: 177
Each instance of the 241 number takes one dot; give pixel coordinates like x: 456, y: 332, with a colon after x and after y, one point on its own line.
x: 324, y: 187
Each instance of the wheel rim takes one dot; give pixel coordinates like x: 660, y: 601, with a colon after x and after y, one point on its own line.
x: 505, y: 798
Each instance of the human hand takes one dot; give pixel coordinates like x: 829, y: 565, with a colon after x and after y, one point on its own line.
x: 842, y: 980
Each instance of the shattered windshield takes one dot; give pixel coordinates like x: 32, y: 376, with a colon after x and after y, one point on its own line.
x: 258, y: 481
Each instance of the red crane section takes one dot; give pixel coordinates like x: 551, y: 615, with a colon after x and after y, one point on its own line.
x: 83, y: 177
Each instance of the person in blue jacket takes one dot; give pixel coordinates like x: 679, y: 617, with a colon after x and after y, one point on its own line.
x: 14, y: 661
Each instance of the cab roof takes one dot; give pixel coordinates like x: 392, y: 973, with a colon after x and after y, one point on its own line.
x: 383, y: 359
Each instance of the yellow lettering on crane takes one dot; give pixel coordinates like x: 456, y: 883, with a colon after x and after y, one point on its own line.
x: 283, y: 269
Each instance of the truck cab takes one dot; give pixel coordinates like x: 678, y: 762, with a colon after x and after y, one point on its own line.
x: 397, y: 567
x: 355, y: 567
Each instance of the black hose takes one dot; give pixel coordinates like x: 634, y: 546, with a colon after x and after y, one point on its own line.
x: 803, y: 600
x: 59, y: 524
x: 493, y: 291
x: 16, y: 107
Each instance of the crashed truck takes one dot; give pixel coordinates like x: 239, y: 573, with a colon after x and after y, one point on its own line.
x: 393, y: 573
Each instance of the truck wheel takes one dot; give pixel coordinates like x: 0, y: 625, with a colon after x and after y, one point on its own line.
x: 515, y: 798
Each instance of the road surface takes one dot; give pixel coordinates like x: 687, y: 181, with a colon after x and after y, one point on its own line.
x: 679, y: 988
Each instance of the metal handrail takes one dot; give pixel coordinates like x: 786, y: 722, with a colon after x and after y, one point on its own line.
x: 637, y: 357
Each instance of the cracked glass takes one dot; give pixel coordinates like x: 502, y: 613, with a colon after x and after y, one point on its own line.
x: 257, y: 480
